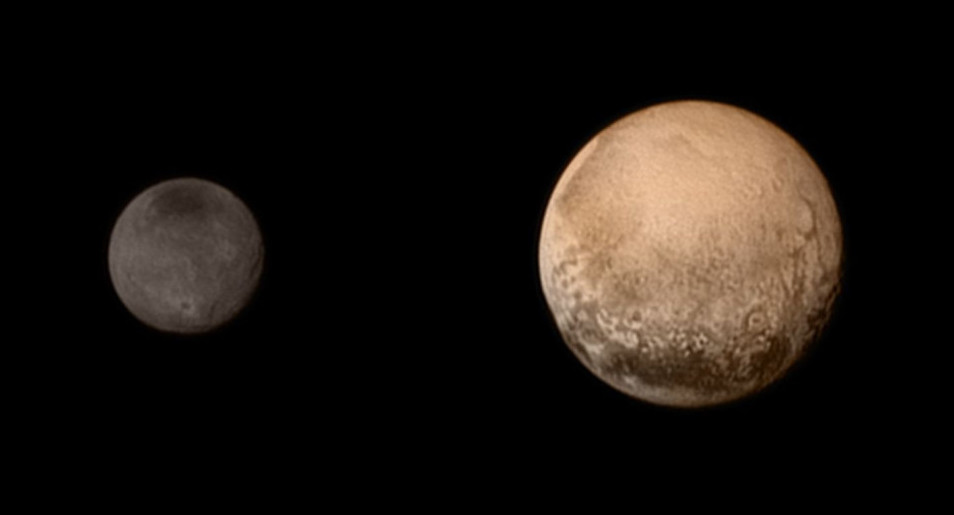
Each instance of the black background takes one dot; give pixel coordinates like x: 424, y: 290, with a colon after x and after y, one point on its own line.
x: 400, y: 185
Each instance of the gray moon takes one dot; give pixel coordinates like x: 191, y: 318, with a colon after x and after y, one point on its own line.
x: 690, y: 253
x: 185, y: 256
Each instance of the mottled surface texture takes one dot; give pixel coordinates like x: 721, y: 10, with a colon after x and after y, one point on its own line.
x: 690, y: 252
x: 185, y: 256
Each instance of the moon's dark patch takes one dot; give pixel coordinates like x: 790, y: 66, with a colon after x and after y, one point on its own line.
x: 185, y: 256
x: 181, y: 200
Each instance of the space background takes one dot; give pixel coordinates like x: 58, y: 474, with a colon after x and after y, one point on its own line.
x: 400, y: 187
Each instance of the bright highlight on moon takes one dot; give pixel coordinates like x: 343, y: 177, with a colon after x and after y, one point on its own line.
x: 690, y: 253
x: 185, y: 256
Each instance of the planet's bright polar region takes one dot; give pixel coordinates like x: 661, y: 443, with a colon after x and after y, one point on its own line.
x: 185, y: 256
x: 690, y: 253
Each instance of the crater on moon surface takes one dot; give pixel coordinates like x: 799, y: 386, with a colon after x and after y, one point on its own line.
x: 690, y: 253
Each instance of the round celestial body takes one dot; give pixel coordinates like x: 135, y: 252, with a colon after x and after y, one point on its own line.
x: 690, y: 253
x: 185, y: 256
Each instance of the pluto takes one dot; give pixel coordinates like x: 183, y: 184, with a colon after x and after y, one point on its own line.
x: 185, y: 256
x: 691, y: 253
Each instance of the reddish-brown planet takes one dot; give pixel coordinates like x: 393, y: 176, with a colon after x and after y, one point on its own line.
x: 185, y: 256
x: 690, y: 253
